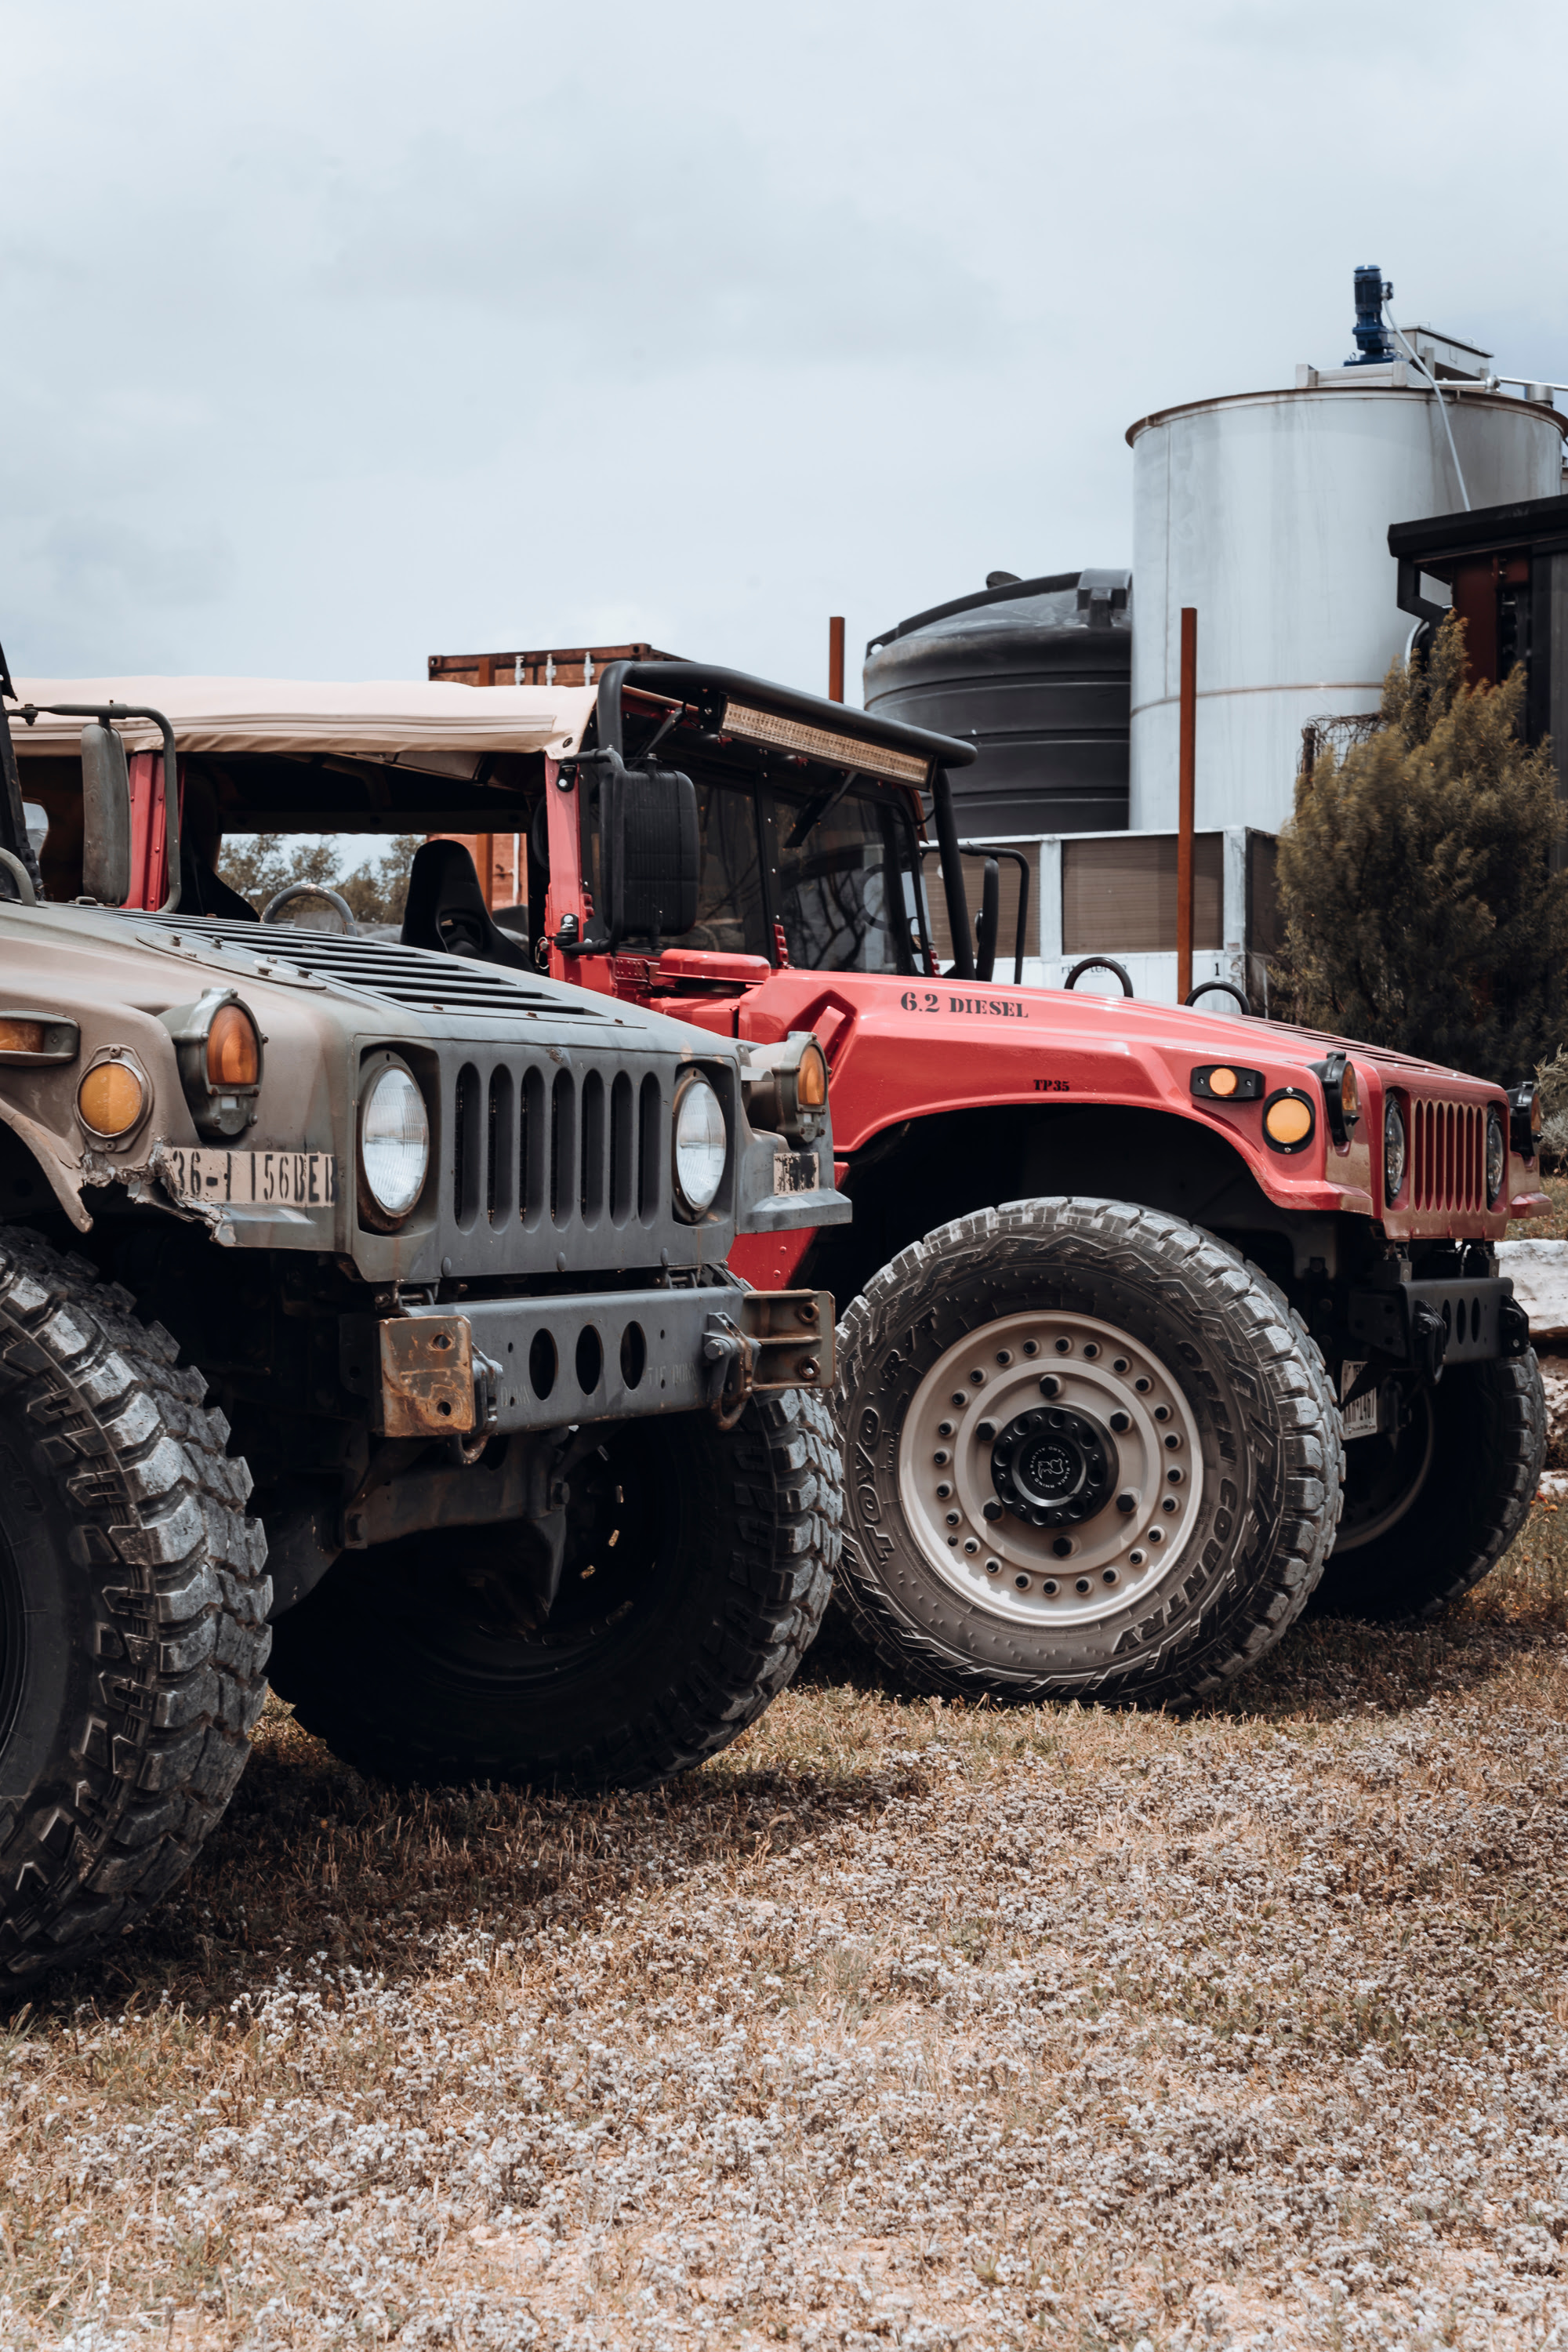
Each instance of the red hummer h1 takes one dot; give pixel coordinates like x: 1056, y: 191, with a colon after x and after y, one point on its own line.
x: 1155, y: 1321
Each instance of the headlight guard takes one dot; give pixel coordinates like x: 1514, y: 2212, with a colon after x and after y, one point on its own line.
x: 786, y: 1086
x: 1524, y: 1119
x: 217, y: 1044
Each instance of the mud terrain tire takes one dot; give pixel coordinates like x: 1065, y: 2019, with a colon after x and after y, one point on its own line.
x: 700, y: 1564
x: 133, y: 1596
x: 1474, y: 1477
x: 985, y: 1368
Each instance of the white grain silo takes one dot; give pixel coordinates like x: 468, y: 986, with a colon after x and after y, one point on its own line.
x: 1269, y: 512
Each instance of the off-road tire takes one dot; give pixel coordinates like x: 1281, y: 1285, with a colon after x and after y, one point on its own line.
x: 1484, y: 1466
x: 133, y: 1594
x: 380, y: 1662
x: 1245, y: 1374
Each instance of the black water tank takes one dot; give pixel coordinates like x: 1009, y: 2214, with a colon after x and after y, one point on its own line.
x: 1039, y: 674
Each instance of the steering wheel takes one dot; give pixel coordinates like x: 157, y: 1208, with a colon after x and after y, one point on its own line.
x: 1098, y: 963
x: 270, y: 913
x: 1229, y: 988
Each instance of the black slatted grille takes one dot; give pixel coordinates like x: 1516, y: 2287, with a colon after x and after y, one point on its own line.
x: 556, y: 1148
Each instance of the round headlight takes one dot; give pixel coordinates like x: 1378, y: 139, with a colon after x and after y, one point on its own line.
x: 1393, y: 1151
x: 393, y: 1142
x: 702, y: 1146
x: 1497, y: 1156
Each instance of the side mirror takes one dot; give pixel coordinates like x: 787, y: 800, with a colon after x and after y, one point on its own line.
x: 651, y: 851
x: 106, y: 816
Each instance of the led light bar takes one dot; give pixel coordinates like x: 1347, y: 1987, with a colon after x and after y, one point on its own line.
x: 751, y: 726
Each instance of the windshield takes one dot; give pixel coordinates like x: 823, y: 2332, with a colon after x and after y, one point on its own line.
x: 843, y: 893
x: 730, y: 916
x: 844, y: 882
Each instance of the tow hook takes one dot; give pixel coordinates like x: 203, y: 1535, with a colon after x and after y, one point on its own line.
x: 730, y: 1358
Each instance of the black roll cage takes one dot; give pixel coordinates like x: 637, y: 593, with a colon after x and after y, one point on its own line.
x: 709, y: 689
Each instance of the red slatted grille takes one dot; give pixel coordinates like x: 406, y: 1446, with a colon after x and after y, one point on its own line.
x: 1447, y: 1145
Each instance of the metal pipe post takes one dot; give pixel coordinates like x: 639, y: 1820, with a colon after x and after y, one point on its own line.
x: 1187, y: 795
x: 836, y: 658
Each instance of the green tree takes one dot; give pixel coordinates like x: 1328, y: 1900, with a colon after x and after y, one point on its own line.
x: 378, y: 894
x: 259, y: 865
x: 1419, y: 904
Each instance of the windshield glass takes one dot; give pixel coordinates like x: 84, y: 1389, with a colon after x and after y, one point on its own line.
x: 844, y: 890
x: 730, y: 916
x: 844, y: 893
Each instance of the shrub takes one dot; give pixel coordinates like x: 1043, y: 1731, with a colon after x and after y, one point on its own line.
x: 1419, y: 905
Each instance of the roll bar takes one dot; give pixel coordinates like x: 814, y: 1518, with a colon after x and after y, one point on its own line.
x: 991, y: 852
x: 695, y: 682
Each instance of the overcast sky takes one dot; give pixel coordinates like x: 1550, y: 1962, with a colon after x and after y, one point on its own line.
x: 340, y: 334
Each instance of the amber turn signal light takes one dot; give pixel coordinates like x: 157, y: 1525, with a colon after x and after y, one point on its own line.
x: 1341, y: 1095
x: 111, y: 1099
x: 811, y: 1079
x: 27, y: 1038
x: 234, y: 1049
x: 1288, y: 1120
x: 1227, y: 1082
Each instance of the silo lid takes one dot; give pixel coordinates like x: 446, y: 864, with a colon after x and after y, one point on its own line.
x: 1094, y: 588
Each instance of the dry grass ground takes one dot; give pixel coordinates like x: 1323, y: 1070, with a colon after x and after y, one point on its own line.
x: 898, y: 2024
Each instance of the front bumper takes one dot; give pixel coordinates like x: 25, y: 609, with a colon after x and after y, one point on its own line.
x: 508, y: 1364
x: 1426, y: 1325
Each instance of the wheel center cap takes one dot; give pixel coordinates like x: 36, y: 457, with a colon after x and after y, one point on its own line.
x: 1053, y: 1467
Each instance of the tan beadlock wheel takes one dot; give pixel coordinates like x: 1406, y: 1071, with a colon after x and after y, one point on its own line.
x: 1048, y: 1464
x: 1090, y: 1453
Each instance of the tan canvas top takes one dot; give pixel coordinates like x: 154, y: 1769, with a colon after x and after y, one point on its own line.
x: 384, y: 720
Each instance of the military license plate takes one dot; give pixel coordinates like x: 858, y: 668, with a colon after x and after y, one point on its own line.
x: 1359, y: 1417
x: 795, y: 1171
x: 293, y: 1180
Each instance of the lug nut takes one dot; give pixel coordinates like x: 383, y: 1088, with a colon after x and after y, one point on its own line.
x: 986, y: 1430
x: 1121, y: 1421
x: 991, y: 1509
x: 1127, y: 1503
x: 1050, y: 1384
